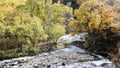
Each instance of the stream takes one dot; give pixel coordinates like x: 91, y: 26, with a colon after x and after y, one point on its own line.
x: 64, y: 57
x: 70, y: 57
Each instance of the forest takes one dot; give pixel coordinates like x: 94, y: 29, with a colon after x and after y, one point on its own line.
x: 26, y: 26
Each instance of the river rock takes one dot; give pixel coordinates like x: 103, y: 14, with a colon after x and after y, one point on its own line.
x: 70, y: 57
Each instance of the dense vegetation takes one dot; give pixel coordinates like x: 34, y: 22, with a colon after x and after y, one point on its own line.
x: 26, y: 23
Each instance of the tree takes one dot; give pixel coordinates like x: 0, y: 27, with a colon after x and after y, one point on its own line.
x: 92, y: 17
x: 19, y: 32
x: 25, y: 23
x: 96, y: 19
x: 54, y: 15
x: 56, y: 31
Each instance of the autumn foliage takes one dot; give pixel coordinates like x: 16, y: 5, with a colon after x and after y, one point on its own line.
x: 97, y: 19
x: 26, y: 23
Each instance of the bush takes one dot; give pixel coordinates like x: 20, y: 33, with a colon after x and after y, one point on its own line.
x: 19, y: 34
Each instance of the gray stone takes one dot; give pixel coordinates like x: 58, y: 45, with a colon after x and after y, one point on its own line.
x: 71, y: 57
x: 67, y: 39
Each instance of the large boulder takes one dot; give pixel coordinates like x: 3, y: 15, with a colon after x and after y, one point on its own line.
x: 68, y: 39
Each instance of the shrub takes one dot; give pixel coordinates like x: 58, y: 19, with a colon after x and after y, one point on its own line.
x: 19, y: 34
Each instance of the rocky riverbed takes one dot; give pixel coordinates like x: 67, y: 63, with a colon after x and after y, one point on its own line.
x: 64, y: 57
x: 71, y: 57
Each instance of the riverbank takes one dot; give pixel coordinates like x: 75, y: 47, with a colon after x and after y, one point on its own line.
x: 69, y: 57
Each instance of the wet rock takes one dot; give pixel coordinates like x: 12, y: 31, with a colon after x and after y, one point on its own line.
x: 71, y: 57
x: 48, y: 66
x: 105, y: 65
x: 63, y: 64
x: 35, y: 66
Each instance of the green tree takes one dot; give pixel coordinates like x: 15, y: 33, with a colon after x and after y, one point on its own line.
x: 53, y: 15
x: 56, y: 31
